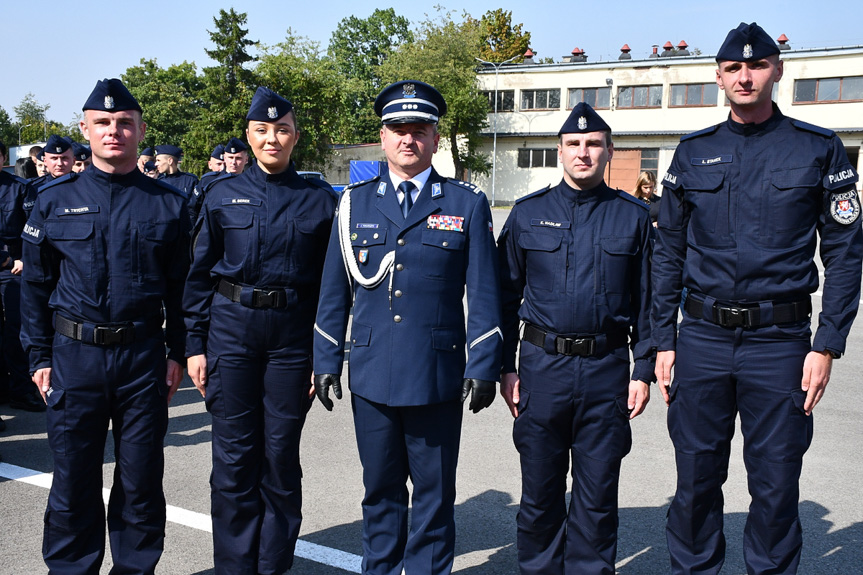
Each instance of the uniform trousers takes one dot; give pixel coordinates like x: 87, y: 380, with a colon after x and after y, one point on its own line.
x: 92, y: 386
x: 719, y: 373
x: 572, y: 416
x: 420, y: 442
x: 259, y: 377
x: 14, y: 357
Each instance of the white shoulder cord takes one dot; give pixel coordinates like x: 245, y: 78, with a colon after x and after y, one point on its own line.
x: 348, y: 253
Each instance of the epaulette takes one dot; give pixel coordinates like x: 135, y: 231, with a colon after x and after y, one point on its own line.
x: 322, y: 185
x: 632, y: 199
x: 699, y: 133
x: 162, y: 184
x: 220, y: 178
x: 17, y: 179
x: 70, y: 177
x: 468, y: 185
x: 357, y: 184
x: 811, y: 128
x: 534, y: 194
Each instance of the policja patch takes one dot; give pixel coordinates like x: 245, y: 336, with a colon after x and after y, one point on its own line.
x: 844, y: 207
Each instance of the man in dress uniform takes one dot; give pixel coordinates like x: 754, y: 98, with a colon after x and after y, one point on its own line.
x: 236, y: 156
x: 411, y: 241
x: 168, y: 164
x: 745, y: 203
x: 16, y: 200
x: 575, y: 269
x: 58, y: 159
x: 105, y: 251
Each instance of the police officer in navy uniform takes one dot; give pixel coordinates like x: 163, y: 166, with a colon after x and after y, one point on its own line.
x: 236, y: 156
x: 82, y: 156
x: 412, y: 242
x: 250, y: 303
x: 58, y: 158
x: 574, y: 262
x: 168, y: 164
x: 745, y: 204
x: 105, y: 252
x: 216, y: 163
x: 146, y: 156
x: 16, y: 201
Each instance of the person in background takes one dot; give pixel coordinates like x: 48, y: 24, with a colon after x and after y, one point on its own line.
x: 146, y: 156
x: 236, y: 156
x: 58, y: 159
x: 168, y: 164
x: 82, y: 156
x: 250, y: 303
x: 645, y: 190
x: 216, y: 163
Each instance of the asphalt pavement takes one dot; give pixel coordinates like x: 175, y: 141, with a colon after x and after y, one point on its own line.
x: 831, y: 501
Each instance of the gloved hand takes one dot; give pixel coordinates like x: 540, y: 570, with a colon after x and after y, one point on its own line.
x: 482, y: 393
x: 323, y: 382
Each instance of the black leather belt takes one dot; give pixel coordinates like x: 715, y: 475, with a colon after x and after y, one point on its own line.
x: 106, y: 334
x: 748, y: 315
x: 584, y: 346
x: 258, y: 298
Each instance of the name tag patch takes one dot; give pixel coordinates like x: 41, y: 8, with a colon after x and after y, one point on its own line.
x: 240, y: 202
x: 446, y: 223
x: 367, y: 226
x: 74, y: 211
x: 712, y: 160
x: 549, y: 223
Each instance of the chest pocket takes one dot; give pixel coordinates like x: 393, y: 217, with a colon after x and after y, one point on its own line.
x: 443, y: 254
x: 236, y: 224
x: 77, y: 242
x: 11, y: 219
x: 706, y: 197
x: 616, y: 264
x: 545, y: 260
x: 308, y: 247
x: 151, y: 242
x: 369, y: 246
x: 792, y: 206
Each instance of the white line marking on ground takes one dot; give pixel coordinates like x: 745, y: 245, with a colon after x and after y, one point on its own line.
x: 200, y: 521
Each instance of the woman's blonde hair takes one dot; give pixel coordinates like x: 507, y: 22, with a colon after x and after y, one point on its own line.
x: 644, y: 178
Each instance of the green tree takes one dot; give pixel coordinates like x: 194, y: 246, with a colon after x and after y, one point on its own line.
x: 499, y: 39
x: 296, y: 70
x: 443, y: 56
x: 32, y: 119
x: 170, y: 98
x: 358, y: 48
x: 8, y: 131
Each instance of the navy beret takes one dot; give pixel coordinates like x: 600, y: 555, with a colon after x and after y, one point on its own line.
x: 583, y: 119
x: 235, y: 146
x: 81, y: 152
x: 41, y: 155
x: 267, y: 106
x: 410, y: 102
x: 149, y: 166
x: 746, y: 43
x: 218, y: 152
x: 111, y: 96
x: 56, y: 145
x: 170, y: 150
x: 147, y: 152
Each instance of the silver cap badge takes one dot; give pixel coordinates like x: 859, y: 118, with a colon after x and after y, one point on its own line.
x: 272, y: 112
x: 747, y: 51
x: 109, y: 103
x: 582, y: 123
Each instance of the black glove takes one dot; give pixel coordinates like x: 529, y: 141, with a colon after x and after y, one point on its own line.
x: 323, y: 381
x: 482, y: 393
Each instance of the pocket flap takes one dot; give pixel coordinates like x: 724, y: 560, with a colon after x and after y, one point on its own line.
x: 447, y: 339
x: 539, y: 242
x: 700, y: 181
x: 361, y: 335
x: 69, y: 230
x: 443, y: 239
x: 619, y: 246
x: 236, y: 219
x: 368, y: 237
x: 807, y: 177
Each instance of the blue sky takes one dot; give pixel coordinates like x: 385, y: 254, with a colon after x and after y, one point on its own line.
x: 58, y: 50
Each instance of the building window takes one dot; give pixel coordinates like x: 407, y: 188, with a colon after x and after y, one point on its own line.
x: 639, y: 97
x: 596, y: 98
x: 537, y: 158
x: 505, y: 100
x: 689, y: 95
x: 540, y: 99
x: 650, y: 160
x: 849, y: 89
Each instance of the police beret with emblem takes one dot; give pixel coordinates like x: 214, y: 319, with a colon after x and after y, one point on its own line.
x: 583, y: 119
x: 218, y: 152
x: 110, y: 95
x: 410, y: 102
x: 41, y: 155
x: 746, y: 43
x: 56, y: 145
x: 267, y: 106
x: 169, y: 150
x: 81, y: 152
x: 235, y: 146
x: 147, y: 152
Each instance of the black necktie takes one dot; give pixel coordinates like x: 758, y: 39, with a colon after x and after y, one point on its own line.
x: 407, y: 203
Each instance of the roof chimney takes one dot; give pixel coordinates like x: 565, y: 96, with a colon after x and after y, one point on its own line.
x: 667, y: 50
x: 682, y: 49
x: 578, y: 55
x: 655, y: 50
x: 625, y: 53
x: 783, y: 42
x: 528, y: 57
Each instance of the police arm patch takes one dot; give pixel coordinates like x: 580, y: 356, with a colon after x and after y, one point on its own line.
x: 845, y: 207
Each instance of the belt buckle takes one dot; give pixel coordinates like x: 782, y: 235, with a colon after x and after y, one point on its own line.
x: 733, y: 316
x: 267, y: 298
x: 582, y: 346
x: 113, y: 335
